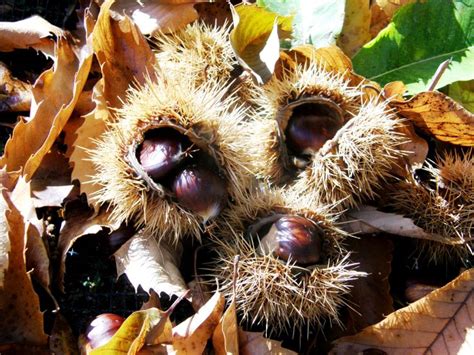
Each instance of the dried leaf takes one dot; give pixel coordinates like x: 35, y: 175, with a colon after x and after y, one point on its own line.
x: 190, y: 337
x: 55, y: 94
x: 15, y: 95
x: 150, y: 264
x: 34, y: 32
x: 200, y: 293
x: 367, y: 220
x: 225, y: 338
x: 254, y: 343
x: 214, y: 13
x: 123, y: 54
x: 37, y: 257
x: 158, y: 15
x: 355, y: 31
x: 79, y: 220
x: 21, y: 321
x: 130, y: 337
x: 62, y: 339
x: 256, y: 38
x: 51, y: 183
x: 440, y: 323
x: 440, y: 116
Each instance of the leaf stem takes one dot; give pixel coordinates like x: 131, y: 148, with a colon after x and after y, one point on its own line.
x: 439, y: 73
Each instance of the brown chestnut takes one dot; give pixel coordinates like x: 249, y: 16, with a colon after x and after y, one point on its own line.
x: 309, y: 127
x: 103, y: 328
x: 201, y: 191
x: 161, y: 151
x: 295, y: 238
x: 119, y: 237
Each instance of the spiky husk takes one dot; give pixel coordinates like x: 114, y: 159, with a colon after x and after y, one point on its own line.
x: 446, y: 210
x: 271, y: 156
x: 205, y: 117
x: 201, y: 53
x: 269, y: 291
x: 355, y: 164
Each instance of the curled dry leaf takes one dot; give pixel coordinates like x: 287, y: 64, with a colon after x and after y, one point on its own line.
x: 34, y: 32
x: 355, y: 31
x: 440, y: 116
x: 190, y: 337
x: 256, y: 38
x: 55, y: 94
x: 79, y: 220
x: 158, y: 15
x: 254, y: 343
x: 151, y: 265
x: 4, y: 240
x: 225, y: 338
x: 15, y: 95
x: 367, y: 219
x: 21, y: 320
x: 440, y: 323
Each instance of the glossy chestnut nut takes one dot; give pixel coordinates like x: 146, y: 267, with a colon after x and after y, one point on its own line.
x: 103, y: 328
x: 201, y: 191
x: 309, y: 127
x: 295, y: 238
x: 161, y: 151
x: 119, y: 237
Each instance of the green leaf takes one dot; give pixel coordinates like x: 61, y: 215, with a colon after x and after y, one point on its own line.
x: 420, y: 37
x: 463, y: 92
x: 255, y: 38
x: 316, y: 22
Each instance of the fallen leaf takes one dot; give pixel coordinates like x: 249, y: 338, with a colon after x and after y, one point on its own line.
x: 51, y: 183
x: 225, y: 338
x: 420, y: 37
x: 123, y: 54
x: 356, y: 29
x: 190, y: 337
x: 151, y: 265
x: 367, y: 220
x: 440, y: 323
x: 55, y: 94
x: 131, y: 335
x: 416, y: 290
x: 214, y: 13
x: 4, y: 240
x: 416, y: 149
x: 394, y: 90
x: 255, y: 38
x: 33, y: 32
x: 62, y: 340
x: 440, y: 116
x: 79, y: 220
x: 21, y: 321
x: 374, y: 256
x: 200, y: 293
x: 463, y: 93
x: 15, y: 95
x: 152, y: 16
x: 254, y: 343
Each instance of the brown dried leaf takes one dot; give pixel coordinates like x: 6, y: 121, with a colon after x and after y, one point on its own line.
x: 190, y: 337
x: 62, y: 340
x: 79, y: 220
x: 123, y: 54
x: 374, y: 256
x: 15, y: 95
x: 254, y: 343
x: 367, y: 220
x: 200, y: 293
x: 355, y: 31
x: 150, y: 264
x: 215, y: 13
x: 440, y: 116
x: 225, y: 338
x: 21, y: 320
x: 55, y: 94
x: 51, y: 183
x: 440, y: 323
x: 34, y: 32
x: 158, y: 15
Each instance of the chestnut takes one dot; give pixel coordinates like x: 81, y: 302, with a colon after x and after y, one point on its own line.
x: 161, y: 151
x: 295, y: 238
x: 309, y: 127
x: 103, y: 328
x: 201, y: 191
x: 119, y: 237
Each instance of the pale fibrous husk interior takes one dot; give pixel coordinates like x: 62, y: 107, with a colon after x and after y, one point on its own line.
x: 276, y: 293
x: 443, y: 206
x: 356, y: 163
x: 279, y: 97
x: 198, y: 112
